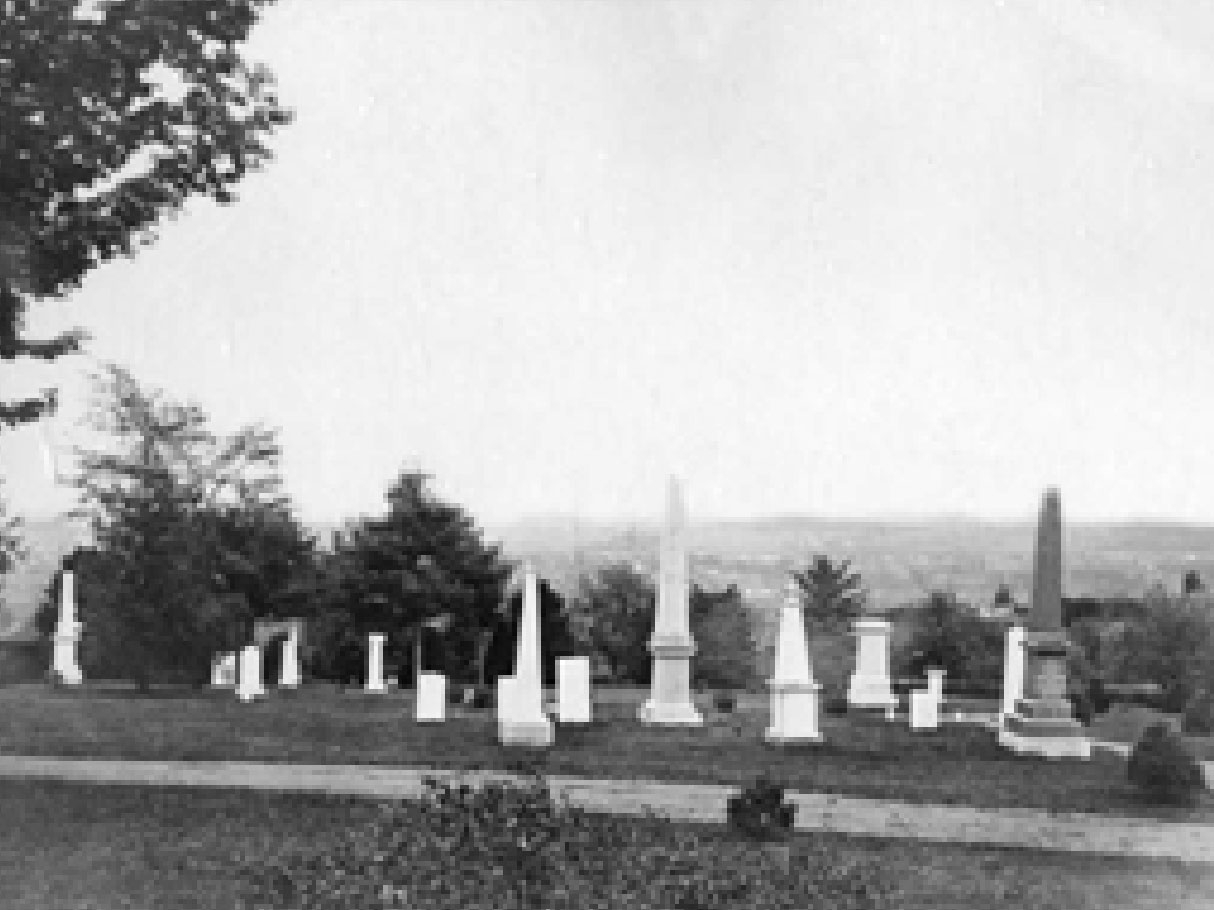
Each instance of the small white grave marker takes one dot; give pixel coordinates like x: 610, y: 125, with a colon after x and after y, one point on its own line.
x: 431, y: 697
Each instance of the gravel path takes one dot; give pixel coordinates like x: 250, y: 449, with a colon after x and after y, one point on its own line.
x: 1088, y: 833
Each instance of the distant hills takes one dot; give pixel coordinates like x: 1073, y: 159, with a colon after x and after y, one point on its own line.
x: 900, y: 560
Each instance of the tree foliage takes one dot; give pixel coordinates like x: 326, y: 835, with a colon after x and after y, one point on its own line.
x: 952, y: 636
x: 615, y: 610
x: 615, y: 615
x: 832, y: 593
x: 726, y: 652
x: 423, y: 561
x: 191, y: 528
x: 556, y: 634
x: 1168, y: 642
x: 112, y: 114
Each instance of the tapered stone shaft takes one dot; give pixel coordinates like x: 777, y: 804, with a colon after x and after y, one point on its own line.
x: 672, y: 647
x: 1042, y: 723
x: 524, y: 721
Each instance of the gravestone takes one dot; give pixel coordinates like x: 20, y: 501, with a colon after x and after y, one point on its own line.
x: 870, y: 687
x: 1013, y: 671
x: 431, y: 697
x: 504, y: 702
x: 525, y: 722
x: 671, y: 645
x: 64, y: 663
x: 375, y: 663
x: 288, y: 675
x: 794, y: 693
x: 926, y: 705
x: 1042, y: 722
x: 224, y: 670
x: 249, y: 685
x: 573, y: 690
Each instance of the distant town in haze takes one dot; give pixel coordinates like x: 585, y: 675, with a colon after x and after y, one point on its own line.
x: 901, y: 561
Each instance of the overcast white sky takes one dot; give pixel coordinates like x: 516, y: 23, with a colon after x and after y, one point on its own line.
x: 840, y: 257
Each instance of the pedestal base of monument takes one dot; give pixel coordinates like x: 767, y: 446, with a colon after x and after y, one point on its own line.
x: 794, y: 713
x: 681, y: 714
x: 535, y: 732
x: 1046, y: 729
x: 872, y: 694
x: 669, y: 700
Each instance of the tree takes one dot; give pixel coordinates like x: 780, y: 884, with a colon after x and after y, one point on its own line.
x: 726, y: 656
x: 950, y: 635
x: 424, y: 560
x: 833, y: 595
x: 1193, y: 583
x: 556, y: 635
x: 614, y: 614
x: 1168, y: 643
x: 162, y: 591
x: 113, y: 114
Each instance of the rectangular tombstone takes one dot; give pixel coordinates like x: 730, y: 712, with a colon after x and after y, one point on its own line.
x: 431, y: 697
x: 505, y: 698
x: 250, y: 685
x: 573, y: 690
x: 924, y: 710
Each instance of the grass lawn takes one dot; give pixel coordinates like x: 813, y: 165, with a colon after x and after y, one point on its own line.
x: 863, y: 757
x: 73, y: 846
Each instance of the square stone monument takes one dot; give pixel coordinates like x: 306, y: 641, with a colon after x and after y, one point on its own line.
x: 250, y: 686
x: 926, y: 705
x: 431, y: 697
x: 573, y: 690
x: 870, y: 687
x: 224, y: 671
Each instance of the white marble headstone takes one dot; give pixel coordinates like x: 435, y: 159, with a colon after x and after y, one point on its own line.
x: 431, y: 697
x: 573, y: 690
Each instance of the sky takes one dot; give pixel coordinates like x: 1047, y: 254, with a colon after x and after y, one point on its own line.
x: 862, y: 259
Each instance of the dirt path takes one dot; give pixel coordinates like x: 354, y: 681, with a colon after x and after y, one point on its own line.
x: 1088, y: 833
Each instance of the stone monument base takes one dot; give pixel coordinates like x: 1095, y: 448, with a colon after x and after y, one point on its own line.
x: 679, y: 714
x: 869, y: 693
x: 537, y: 733
x: 794, y: 713
x: 1044, y: 727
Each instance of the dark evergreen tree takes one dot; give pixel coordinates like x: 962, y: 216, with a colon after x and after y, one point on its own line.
x: 93, y: 153
x: 423, y: 562
x: 614, y: 616
x: 832, y: 593
x: 556, y: 635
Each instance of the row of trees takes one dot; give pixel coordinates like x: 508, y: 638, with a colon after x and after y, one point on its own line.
x: 194, y: 541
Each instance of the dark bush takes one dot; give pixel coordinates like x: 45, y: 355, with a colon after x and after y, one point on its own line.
x: 1162, y: 767
x: 724, y: 703
x: 759, y: 811
x: 1198, y: 717
x: 835, y: 705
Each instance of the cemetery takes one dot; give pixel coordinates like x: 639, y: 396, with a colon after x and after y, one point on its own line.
x: 810, y: 254
x: 1024, y: 751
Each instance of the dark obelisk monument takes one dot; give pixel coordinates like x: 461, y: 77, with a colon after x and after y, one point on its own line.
x: 1042, y: 723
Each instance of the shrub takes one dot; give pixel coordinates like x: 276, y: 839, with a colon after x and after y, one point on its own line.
x: 1162, y: 768
x: 1198, y: 714
x: 759, y: 811
x: 724, y: 703
x: 835, y: 705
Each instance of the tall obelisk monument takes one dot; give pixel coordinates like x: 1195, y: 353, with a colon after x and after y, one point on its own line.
x: 672, y: 647
x: 1042, y: 722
